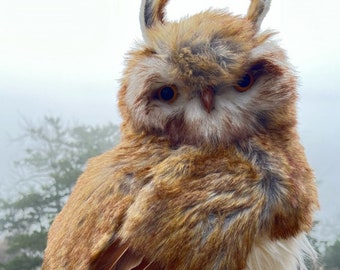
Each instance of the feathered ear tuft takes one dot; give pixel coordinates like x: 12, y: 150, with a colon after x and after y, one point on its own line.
x: 151, y: 13
x: 257, y: 11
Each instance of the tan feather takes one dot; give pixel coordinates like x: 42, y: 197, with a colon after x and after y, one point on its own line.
x: 110, y: 258
x: 215, y: 179
x: 119, y: 256
x: 257, y: 11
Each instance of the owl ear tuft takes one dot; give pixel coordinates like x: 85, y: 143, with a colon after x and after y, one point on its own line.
x: 258, y: 9
x: 151, y: 13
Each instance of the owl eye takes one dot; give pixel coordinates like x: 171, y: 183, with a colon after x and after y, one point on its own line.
x: 167, y: 93
x: 245, y: 83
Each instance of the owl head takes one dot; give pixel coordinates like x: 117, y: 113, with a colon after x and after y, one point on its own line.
x: 210, y: 79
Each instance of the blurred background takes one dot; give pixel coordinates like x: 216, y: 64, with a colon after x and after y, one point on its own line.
x: 60, y: 64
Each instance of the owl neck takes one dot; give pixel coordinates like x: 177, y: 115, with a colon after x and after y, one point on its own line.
x: 277, y: 135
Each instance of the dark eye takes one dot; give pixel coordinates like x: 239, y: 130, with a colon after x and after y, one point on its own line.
x: 245, y: 83
x: 167, y: 93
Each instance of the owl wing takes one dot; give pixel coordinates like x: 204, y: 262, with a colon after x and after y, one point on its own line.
x: 84, y: 235
x: 119, y: 256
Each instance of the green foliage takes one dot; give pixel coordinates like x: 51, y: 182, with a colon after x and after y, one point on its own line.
x: 331, y: 258
x: 54, y: 158
x: 22, y: 262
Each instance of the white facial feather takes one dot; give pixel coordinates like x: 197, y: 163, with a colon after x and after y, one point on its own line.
x: 149, y: 67
x: 225, y: 120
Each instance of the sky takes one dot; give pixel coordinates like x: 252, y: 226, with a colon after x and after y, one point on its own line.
x: 65, y: 57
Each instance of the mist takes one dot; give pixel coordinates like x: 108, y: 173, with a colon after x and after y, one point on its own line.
x: 65, y: 58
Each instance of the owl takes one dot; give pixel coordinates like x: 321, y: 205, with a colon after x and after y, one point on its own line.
x: 209, y: 173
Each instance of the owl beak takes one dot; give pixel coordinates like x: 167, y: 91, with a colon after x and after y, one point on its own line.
x: 207, y: 97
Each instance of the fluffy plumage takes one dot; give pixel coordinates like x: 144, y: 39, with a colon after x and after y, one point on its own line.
x: 212, y: 178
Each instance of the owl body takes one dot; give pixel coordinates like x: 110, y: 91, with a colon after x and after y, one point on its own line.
x: 209, y: 173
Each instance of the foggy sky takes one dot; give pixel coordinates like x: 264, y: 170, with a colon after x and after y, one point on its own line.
x: 64, y: 58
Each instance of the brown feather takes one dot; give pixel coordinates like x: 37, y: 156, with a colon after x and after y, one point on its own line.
x: 119, y: 256
x: 191, y: 189
x: 111, y: 256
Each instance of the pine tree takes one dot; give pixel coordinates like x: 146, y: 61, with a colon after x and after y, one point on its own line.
x: 331, y: 258
x: 54, y: 158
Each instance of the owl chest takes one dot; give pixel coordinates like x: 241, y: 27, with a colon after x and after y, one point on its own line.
x: 208, y: 209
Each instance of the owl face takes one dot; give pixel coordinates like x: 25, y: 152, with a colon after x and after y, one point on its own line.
x: 208, y: 79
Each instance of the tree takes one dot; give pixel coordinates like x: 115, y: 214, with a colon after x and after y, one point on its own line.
x: 54, y: 158
x: 331, y: 258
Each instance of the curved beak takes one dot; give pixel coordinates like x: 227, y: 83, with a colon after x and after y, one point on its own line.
x: 207, y: 98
